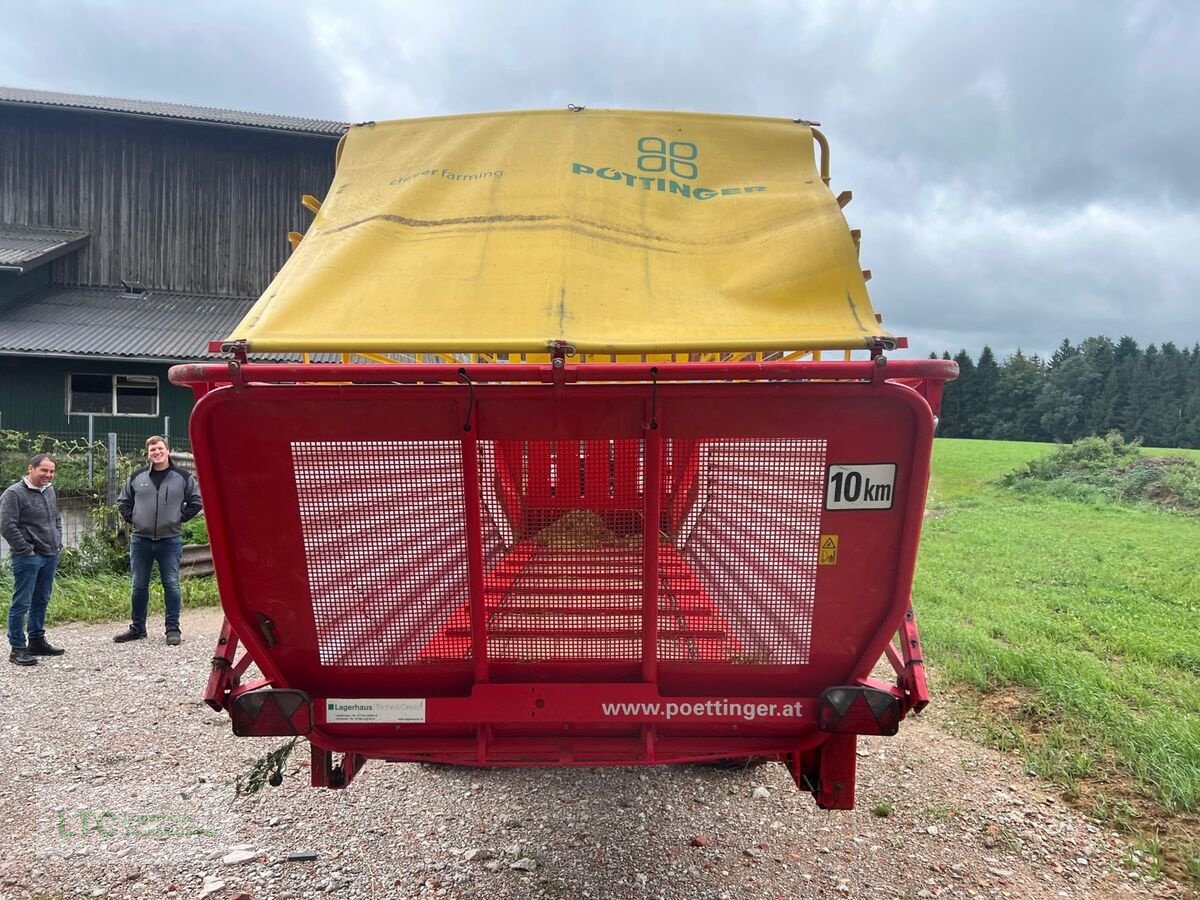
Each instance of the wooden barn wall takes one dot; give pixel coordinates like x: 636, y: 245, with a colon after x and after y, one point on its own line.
x: 177, y: 206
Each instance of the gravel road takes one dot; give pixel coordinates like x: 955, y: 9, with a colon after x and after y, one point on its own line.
x: 118, y: 781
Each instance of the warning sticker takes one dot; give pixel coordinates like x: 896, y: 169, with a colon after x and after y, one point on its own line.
x: 860, y: 487
x: 827, y: 554
x: 375, y: 710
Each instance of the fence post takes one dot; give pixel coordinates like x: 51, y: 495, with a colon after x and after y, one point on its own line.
x: 91, y: 449
x: 111, y: 482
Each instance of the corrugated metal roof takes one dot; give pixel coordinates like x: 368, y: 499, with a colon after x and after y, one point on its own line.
x: 106, y: 322
x: 155, y: 109
x: 25, y: 247
x: 109, y: 323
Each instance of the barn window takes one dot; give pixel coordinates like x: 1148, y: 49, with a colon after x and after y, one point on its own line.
x: 112, y: 395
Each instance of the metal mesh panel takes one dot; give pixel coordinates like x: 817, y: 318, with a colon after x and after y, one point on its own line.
x: 747, y: 541
x: 384, y: 545
x: 571, y: 587
x: 562, y: 533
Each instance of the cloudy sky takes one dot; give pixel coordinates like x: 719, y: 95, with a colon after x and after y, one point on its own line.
x: 1022, y: 171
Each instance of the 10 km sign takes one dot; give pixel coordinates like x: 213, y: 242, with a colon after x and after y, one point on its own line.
x: 860, y: 487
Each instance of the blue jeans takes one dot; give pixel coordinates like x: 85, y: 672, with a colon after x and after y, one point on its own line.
x: 143, y: 553
x: 33, y: 578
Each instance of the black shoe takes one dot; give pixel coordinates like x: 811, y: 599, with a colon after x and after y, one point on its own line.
x: 22, y: 657
x: 39, y: 646
x: 132, y: 634
x: 174, y: 638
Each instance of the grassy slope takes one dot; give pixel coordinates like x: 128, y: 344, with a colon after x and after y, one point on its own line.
x: 1086, y: 617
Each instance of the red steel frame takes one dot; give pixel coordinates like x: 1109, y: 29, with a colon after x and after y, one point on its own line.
x: 496, y: 712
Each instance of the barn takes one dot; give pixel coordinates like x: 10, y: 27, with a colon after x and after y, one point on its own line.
x: 132, y: 233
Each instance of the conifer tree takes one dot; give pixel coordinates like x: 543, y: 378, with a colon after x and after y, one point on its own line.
x: 956, y: 413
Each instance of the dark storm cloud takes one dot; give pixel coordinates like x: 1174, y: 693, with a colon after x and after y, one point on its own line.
x: 1022, y: 171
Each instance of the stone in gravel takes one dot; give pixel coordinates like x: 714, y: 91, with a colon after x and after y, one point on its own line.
x: 211, y: 887
x: 761, y: 793
x: 524, y: 864
x: 701, y: 840
x: 237, y: 857
x: 241, y: 895
x: 753, y: 852
x: 301, y: 856
x: 478, y: 853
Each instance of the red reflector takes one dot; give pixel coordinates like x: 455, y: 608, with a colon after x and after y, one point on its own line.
x: 271, y: 713
x: 858, y: 710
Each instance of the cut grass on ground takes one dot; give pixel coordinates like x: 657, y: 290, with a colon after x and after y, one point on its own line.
x: 1076, y: 629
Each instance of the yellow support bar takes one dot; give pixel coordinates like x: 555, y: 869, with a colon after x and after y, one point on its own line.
x: 376, y: 357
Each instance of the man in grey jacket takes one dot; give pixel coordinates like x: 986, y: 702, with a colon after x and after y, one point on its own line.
x: 33, y: 527
x: 156, y: 501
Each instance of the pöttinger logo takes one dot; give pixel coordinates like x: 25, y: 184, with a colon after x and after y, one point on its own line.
x: 656, y: 155
x: 666, y: 167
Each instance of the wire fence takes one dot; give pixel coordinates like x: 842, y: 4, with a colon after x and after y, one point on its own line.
x: 88, y: 474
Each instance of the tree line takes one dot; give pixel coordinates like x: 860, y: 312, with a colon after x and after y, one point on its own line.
x: 1093, y: 387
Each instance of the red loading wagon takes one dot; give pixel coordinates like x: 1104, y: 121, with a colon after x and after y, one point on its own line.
x: 632, y: 513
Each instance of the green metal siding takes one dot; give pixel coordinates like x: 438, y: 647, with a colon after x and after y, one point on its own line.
x: 33, y: 398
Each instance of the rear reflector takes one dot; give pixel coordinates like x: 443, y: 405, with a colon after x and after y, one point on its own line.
x: 858, y: 710
x: 272, y: 712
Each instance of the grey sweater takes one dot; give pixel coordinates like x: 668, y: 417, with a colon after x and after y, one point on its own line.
x: 30, y: 520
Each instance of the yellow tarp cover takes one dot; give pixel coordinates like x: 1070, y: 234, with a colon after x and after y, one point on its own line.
x: 611, y: 231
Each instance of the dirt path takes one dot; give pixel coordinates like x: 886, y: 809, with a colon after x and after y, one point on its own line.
x: 117, y: 781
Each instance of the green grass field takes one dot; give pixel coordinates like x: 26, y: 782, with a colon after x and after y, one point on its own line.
x: 1073, y: 630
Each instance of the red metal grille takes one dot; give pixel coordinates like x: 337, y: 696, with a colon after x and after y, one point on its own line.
x: 384, y: 545
x: 744, y: 526
x: 562, y: 530
x: 571, y: 587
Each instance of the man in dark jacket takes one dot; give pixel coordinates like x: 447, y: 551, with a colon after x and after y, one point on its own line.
x: 156, y: 501
x: 33, y: 527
